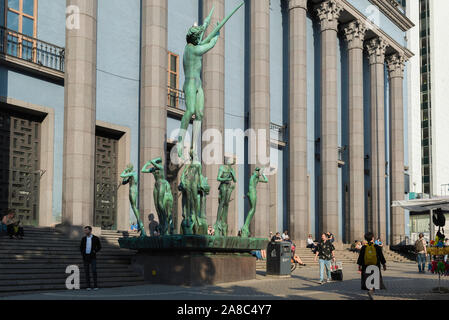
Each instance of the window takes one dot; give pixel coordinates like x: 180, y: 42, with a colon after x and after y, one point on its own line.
x: 21, y: 20
x: 173, y: 80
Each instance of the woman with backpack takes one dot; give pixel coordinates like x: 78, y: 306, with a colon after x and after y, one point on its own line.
x: 371, y: 255
x: 421, y: 250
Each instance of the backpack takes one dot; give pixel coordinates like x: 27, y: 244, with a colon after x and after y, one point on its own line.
x: 419, y: 245
x: 370, y: 255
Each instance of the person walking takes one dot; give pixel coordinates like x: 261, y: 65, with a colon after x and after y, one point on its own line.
x: 421, y: 249
x: 326, y: 253
x: 89, y: 247
x: 371, y: 255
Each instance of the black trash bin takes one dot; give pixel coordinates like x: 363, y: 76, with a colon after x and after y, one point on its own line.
x: 279, y: 256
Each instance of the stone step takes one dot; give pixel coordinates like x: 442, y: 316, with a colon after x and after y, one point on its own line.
x: 50, y: 240
x: 32, y: 272
x: 42, y: 266
x: 50, y: 261
x: 104, y: 274
x: 59, y: 251
x: 39, y: 261
x: 30, y: 258
x: 49, y: 245
x: 10, y: 290
x: 61, y: 280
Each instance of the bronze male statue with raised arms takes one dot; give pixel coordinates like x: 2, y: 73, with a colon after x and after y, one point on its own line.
x: 193, y: 63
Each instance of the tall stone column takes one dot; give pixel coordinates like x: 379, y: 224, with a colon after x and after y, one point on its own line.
x: 153, y: 112
x: 213, y: 85
x: 79, y: 117
x: 376, y: 50
x: 355, y: 35
x: 396, y: 64
x: 328, y: 13
x: 298, y: 188
x: 260, y: 108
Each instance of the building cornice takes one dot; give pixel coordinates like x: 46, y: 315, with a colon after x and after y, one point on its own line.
x: 379, y: 32
x: 389, y: 8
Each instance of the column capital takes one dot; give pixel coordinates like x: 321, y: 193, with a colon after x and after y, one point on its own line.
x: 376, y: 49
x: 297, y: 4
x: 355, y: 34
x: 328, y: 13
x: 396, y: 64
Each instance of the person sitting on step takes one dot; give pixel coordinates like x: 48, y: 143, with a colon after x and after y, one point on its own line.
x: 13, y: 226
x: 295, y: 257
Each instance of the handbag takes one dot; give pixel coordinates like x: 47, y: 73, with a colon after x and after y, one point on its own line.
x: 337, y: 271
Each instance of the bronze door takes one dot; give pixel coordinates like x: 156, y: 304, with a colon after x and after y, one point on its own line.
x: 20, y: 167
x: 106, y: 183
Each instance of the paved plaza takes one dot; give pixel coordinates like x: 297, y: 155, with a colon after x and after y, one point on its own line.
x: 402, y: 280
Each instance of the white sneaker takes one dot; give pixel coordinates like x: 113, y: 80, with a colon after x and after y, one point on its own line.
x: 88, y: 289
x: 95, y: 289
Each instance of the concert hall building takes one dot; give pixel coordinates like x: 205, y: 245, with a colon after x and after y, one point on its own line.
x: 88, y: 86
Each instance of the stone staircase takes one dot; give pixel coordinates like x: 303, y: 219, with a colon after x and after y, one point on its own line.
x: 342, y: 254
x: 38, y: 262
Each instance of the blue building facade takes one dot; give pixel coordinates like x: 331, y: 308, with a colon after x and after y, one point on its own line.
x: 31, y: 86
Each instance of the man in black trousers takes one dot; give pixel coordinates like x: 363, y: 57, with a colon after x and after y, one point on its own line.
x: 90, y: 246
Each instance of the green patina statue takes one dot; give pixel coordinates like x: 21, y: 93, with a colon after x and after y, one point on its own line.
x: 257, y: 177
x: 190, y: 181
x: 226, y: 177
x: 163, y: 197
x: 193, y: 62
x: 194, y: 188
x: 204, y: 190
x: 130, y: 177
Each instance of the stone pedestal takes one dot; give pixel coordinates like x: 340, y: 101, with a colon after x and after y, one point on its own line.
x: 194, y: 268
x: 194, y: 260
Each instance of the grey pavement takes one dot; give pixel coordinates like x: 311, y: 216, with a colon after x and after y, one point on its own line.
x: 402, y: 280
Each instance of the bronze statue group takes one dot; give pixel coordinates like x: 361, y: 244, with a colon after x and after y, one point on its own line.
x: 194, y: 188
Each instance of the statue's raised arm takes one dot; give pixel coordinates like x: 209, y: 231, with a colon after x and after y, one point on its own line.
x: 194, y: 51
x: 221, y: 25
x: 207, y: 23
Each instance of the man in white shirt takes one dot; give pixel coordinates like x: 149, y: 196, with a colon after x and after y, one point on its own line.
x: 90, y: 246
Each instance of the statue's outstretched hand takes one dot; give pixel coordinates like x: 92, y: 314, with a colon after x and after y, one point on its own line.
x: 218, y: 32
